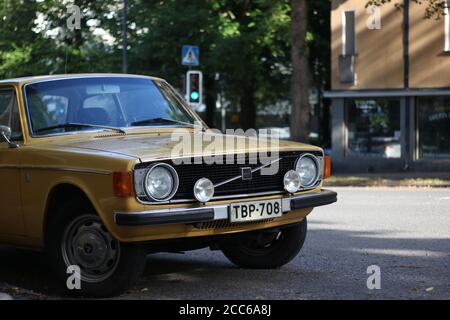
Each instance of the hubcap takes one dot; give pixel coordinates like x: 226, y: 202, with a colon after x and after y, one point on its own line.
x: 88, y: 245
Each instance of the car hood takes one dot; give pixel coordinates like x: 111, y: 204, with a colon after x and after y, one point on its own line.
x: 160, y: 146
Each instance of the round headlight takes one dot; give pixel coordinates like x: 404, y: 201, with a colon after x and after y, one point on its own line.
x: 308, y: 168
x: 204, y: 190
x: 292, y: 181
x: 161, y: 182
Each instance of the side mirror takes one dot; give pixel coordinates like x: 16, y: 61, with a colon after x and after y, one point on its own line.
x: 5, y: 135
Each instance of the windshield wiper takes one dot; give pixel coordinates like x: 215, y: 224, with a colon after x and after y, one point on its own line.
x: 159, y: 121
x: 79, y: 125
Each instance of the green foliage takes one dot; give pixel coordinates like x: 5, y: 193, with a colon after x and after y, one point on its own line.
x: 17, y: 41
x: 247, y: 42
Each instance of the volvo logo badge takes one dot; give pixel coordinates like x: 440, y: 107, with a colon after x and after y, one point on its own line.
x: 247, y: 174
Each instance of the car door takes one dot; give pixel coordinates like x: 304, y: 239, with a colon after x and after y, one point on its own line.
x: 11, y: 217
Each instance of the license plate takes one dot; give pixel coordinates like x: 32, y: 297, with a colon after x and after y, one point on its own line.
x: 255, y: 211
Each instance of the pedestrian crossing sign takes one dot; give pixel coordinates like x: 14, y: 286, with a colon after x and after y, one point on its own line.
x: 191, y: 56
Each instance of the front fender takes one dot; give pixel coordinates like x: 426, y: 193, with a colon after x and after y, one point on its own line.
x: 97, y: 188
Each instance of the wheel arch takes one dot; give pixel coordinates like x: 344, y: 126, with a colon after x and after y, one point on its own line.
x: 60, y: 194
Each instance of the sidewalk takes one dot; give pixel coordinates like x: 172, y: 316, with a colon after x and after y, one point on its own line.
x: 4, y: 297
x: 404, y: 179
x: 8, y: 292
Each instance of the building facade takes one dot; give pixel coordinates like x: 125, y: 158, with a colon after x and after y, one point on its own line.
x: 390, y: 88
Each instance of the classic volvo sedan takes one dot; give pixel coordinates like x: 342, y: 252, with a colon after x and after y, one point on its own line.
x: 88, y: 176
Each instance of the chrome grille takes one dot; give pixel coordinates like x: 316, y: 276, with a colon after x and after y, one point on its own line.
x: 189, y: 174
x: 225, y: 224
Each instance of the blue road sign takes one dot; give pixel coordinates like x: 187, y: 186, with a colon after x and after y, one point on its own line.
x: 190, y: 56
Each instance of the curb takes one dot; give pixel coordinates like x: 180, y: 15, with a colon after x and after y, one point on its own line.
x: 388, y: 182
x: 388, y: 185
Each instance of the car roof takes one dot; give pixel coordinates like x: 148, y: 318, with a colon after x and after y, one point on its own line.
x: 24, y: 80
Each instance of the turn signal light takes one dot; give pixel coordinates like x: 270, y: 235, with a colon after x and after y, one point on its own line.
x: 123, y: 184
x: 327, y: 168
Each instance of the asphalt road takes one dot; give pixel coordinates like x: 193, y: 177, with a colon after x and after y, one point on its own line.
x: 404, y: 232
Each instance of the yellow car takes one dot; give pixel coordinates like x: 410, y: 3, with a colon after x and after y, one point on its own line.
x: 89, y: 175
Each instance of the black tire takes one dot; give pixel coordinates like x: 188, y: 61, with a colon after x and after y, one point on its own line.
x: 276, y: 249
x: 123, y: 263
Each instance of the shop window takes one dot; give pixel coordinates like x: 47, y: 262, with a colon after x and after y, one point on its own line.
x: 433, y: 117
x: 373, y: 128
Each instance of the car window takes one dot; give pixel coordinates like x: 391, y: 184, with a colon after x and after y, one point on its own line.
x: 61, y: 106
x: 156, y: 104
x: 9, y: 113
x: 101, y: 110
x: 6, y: 99
x: 47, y: 110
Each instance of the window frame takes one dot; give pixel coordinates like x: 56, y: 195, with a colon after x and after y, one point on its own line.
x: 447, y: 26
x: 13, y: 89
x: 345, y: 33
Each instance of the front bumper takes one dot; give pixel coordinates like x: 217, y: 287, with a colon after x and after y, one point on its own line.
x: 215, y: 212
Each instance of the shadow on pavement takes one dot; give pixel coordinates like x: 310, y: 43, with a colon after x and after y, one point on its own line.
x: 332, y: 265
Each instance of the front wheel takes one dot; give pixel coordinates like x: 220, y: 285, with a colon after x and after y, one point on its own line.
x: 269, y: 249
x: 78, y: 240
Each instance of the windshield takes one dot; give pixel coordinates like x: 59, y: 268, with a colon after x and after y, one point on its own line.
x: 81, y: 104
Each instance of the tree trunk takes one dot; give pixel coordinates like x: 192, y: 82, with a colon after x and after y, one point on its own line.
x: 248, y: 108
x: 301, y: 77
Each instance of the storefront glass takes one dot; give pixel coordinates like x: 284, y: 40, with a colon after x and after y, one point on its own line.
x: 373, y: 127
x: 433, y: 122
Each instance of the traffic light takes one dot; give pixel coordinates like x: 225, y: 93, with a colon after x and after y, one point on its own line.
x: 194, y: 88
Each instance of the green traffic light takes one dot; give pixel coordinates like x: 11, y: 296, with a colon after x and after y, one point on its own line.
x: 195, y: 95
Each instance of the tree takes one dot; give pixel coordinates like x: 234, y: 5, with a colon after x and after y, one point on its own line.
x: 252, y: 53
x: 301, y: 78
x: 79, y: 50
x: 157, y: 33
x: 248, y: 42
x: 20, y: 47
x: 35, y: 40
